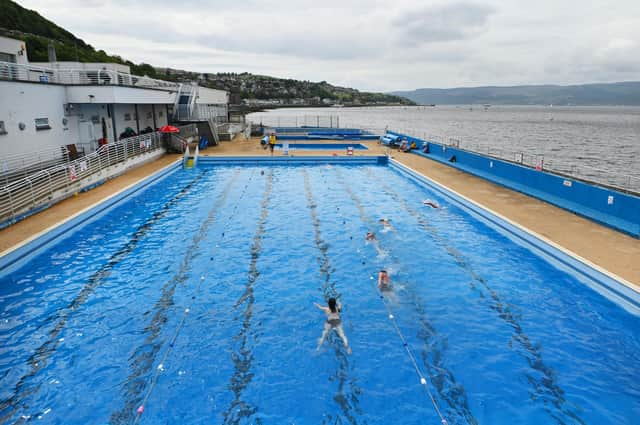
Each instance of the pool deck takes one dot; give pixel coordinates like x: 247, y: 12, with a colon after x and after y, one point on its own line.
x: 610, y: 250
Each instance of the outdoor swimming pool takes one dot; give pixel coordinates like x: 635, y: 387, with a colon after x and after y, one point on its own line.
x: 194, y: 299
x: 324, y: 146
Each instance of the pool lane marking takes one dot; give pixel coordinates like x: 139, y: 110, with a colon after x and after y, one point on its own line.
x: 163, y: 361
x: 242, y: 376
x: 546, y: 385
x: 38, y: 360
x: 423, y: 381
x: 142, y: 359
x: 329, y: 290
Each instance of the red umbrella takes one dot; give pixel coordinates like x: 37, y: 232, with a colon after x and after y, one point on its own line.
x: 169, y: 129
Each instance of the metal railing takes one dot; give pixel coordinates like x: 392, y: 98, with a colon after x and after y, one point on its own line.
x: 268, y: 120
x: 16, y: 166
x: 20, y: 72
x: 36, y: 190
x: 619, y: 181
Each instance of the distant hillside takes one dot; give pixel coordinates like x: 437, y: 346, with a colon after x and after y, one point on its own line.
x: 626, y: 93
x: 38, y: 32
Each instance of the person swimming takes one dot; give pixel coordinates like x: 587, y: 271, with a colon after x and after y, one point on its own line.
x: 334, y: 321
x: 383, y: 281
x: 370, y: 236
x: 432, y: 204
x: 384, y: 222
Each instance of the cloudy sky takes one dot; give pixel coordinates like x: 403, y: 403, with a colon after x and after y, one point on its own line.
x: 378, y: 45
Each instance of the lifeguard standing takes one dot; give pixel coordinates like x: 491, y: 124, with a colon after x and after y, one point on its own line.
x: 272, y: 142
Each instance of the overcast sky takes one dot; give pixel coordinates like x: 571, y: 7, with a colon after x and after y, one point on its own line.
x: 375, y: 45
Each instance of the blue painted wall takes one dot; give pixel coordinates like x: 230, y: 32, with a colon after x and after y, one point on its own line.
x: 615, y: 209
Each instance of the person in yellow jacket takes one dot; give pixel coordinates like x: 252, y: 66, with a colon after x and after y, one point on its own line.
x: 272, y: 142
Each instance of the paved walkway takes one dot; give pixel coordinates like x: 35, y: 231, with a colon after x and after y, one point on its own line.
x: 604, y: 247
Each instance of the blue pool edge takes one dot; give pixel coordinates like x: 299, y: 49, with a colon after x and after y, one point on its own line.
x: 612, y: 287
x: 16, y: 256
x: 605, y: 283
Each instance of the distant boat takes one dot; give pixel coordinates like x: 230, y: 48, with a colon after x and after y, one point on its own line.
x: 337, y: 105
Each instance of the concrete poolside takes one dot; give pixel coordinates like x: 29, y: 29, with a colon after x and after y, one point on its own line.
x: 611, y: 250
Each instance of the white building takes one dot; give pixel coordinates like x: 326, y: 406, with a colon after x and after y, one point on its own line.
x: 47, y: 105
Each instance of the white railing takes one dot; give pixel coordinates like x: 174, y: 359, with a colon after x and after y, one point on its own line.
x: 269, y: 120
x: 19, y: 72
x: 13, y: 167
x: 620, y: 181
x: 20, y: 197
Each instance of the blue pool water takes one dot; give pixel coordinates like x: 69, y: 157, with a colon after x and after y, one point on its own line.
x: 195, y: 300
x: 323, y: 146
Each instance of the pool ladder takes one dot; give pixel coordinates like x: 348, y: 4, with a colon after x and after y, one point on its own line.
x: 190, y: 161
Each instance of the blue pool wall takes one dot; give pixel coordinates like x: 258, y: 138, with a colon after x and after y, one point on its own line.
x: 325, y: 146
x: 17, y: 257
x: 587, y: 200
x: 320, y: 133
x: 594, y: 277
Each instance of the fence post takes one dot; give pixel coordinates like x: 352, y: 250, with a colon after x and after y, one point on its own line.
x: 33, y: 200
x: 50, y: 185
x: 13, y: 211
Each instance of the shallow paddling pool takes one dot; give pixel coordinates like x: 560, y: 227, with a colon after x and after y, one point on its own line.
x: 192, y: 302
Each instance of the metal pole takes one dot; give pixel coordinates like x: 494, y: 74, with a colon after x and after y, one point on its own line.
x: 33, y: 200
x: 13, y: 211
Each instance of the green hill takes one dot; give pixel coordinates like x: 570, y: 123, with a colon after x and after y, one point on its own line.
x: 38, y: 32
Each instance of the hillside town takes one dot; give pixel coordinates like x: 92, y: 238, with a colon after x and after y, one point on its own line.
x: 263, y: 91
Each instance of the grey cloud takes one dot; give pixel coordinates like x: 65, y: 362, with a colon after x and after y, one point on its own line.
x: 447, y: 22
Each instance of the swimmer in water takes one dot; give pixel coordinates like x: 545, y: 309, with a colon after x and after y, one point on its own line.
x: 383, y: 281
x: 432, y: 204
x: 386, y: 224
x: 333, y: 322
x: 370, y: 236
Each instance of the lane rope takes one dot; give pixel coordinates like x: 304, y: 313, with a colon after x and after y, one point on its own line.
x: 160, y: 368
x: 392, y: 318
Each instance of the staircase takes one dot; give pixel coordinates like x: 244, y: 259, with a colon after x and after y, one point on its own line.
x: 185, y: 103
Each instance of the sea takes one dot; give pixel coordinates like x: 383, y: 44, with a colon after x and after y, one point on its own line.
x: 596, y: 143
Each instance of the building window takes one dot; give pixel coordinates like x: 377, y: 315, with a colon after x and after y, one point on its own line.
x: 42, y: 124
x: 149, y: 115
x: 127, y: 117
x: 160, y: 114
x: 2, y: 129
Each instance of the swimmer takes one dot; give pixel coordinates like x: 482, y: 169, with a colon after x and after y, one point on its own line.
x: 386, y: 224
x: 333, y: 322
x: 383, y: 281
x: 432, y: 204
x: 370, y: 236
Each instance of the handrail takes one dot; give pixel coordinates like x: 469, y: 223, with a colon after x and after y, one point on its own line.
x: 15, y: 166
x: 96, y: 76
x: 36, y: 190
x: 620, y: 181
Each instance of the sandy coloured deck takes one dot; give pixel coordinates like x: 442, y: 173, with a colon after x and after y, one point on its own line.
x: 602, y: 246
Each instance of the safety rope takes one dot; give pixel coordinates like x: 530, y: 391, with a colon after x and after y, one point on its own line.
x: 385, y: 303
